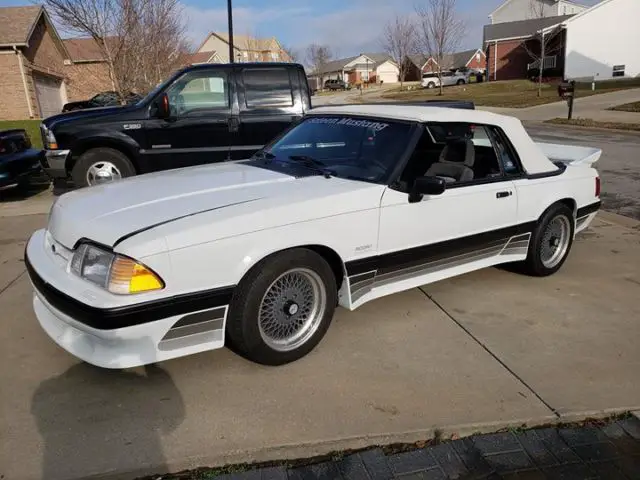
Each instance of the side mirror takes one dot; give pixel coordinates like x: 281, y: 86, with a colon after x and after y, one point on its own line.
x: 164, y: 109
x: 426, y: 186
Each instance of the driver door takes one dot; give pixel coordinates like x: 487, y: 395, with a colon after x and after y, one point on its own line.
x: 198, y: 130
x: 447, y: 233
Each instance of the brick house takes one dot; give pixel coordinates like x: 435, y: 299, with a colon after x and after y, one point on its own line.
x: 599, y: 43
x: 474, y: 59
x: 32, y: 64
x: 366, y: 67
x: 87, y: 72
x: 246, y: 48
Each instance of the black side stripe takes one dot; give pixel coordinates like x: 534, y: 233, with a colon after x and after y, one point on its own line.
x: 402, y: 259
x: 586, y: 210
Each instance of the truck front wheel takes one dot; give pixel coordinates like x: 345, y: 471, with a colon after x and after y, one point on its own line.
x: 101, y: 165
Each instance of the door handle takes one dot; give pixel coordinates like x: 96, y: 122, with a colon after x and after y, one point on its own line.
x: 234, y: 124
x: 504, y: 194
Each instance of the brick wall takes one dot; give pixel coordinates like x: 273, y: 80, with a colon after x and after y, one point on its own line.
x: 43, y: 53
x: 84, y: 80
x: 479, y: 64
x: 14, y: 104
x: 512, y: 61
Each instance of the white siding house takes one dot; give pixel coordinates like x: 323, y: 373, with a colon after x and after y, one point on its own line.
x: 514, y: 10
x: 387, y: 72
x: 604, y: 42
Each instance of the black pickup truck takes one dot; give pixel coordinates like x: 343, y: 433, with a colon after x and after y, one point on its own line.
x: 202, y: 114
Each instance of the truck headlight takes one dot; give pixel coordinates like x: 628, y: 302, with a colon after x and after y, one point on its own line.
x: 48, y: 138
x: 115, y: 273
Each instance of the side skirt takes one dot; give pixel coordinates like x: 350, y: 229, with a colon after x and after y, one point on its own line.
x: 391, y: 273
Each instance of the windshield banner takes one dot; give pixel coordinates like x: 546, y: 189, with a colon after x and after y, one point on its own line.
x: 350, y: 122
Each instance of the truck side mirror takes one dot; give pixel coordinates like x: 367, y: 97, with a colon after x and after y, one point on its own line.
x: 164, y: 109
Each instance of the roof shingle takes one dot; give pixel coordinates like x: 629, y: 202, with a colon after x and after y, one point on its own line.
x: 520, y: 28
x: 17, y: 23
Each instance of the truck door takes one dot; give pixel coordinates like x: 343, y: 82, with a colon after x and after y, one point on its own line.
x: 198, y: 130
x: 269, y: 102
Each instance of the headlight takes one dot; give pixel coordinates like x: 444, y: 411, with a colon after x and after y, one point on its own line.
x: 48, y: 138
x: 115, y: 273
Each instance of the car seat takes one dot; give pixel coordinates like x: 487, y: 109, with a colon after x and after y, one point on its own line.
x: 456, y: 161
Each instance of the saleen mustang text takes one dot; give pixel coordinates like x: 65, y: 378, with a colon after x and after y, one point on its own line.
x: 351, y: 204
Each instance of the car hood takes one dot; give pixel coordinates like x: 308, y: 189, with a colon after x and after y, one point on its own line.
x: 110, y: 213
x: 83, y: 115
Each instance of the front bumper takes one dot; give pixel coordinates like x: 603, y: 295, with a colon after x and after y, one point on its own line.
x: 125, y: 336
x: 21, y: 168
x: 54, y: 163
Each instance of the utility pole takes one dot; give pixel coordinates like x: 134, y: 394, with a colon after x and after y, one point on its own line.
x: 230, y: 20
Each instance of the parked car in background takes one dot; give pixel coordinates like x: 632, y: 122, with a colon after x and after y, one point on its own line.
x: 19, y: 161
x: 336, y: 84
x: 352, y: 204
x: 202, y: 114
x: 103, y: 99
x: 432, y: 80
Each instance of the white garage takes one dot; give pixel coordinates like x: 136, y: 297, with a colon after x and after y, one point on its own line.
x: 387, y: 72
x: 49, y: 95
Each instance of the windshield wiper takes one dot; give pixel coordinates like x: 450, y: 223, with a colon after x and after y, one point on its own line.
x: 314, y: 164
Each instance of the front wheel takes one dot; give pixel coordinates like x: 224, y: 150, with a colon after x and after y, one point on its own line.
x: 282, y: 308
x: 101, y: 165
x: 551, y: 241
x: 460, y: 82
x: 431, y: 85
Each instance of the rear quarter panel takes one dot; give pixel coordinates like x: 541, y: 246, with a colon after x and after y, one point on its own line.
x: 535, y: 195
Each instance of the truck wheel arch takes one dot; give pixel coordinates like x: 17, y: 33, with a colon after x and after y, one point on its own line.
x: 129, y: 151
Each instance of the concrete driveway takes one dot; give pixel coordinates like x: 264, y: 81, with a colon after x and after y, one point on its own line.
x: 475, y: 353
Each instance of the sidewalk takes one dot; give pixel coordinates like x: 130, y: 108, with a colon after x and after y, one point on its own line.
x: 609, y: 451
x: 594, y: 107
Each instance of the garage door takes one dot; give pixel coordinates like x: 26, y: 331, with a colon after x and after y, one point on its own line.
x: 48, y: 92
x: 388, y: 76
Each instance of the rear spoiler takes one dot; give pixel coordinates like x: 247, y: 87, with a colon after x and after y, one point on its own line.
x: 463, y: 104
x: 570, y: 154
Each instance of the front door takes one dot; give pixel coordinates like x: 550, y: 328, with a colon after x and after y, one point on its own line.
x: 198, y: 130
x: 471, y: 223
x: 269, y: 104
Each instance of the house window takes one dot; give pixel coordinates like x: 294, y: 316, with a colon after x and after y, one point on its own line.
x: 618, y: 70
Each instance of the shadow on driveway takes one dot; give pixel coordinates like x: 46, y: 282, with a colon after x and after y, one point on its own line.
x: 93, y: 419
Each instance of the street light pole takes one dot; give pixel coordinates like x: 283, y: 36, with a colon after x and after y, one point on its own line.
x: 230, y: 20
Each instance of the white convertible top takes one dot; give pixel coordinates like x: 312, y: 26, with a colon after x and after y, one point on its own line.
x: 531, y: 155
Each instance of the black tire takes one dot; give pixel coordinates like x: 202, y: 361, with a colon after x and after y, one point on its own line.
x: 460, y: 82
x: 96, y: 155
x: 534, y: 265
x: 431, y: 85
x: 243, y: 331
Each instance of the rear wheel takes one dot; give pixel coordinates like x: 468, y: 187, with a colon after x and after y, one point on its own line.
x: 101, y: 165
x: 460, y: 82
x: 551, y: 242
x: 431, y: 85
x: 282, y: 308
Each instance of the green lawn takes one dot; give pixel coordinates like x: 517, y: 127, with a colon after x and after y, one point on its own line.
x: 509, y: 93
x: 587, y: 122
x: 628, y: 107
x: 31, y: 126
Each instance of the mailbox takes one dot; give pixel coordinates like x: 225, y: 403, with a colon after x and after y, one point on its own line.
x: 566, y: 89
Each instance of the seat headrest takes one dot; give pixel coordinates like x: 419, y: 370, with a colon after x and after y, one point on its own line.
x: 459, y: 150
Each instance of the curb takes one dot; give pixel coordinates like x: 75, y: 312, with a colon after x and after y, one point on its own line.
x: 326, y: 447
x: 546, y: 123
x: 617, y: 219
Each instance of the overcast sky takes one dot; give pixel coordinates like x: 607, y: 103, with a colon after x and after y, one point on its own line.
x: 348, y: 27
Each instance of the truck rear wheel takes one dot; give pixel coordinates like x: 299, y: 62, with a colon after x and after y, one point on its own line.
x: 101, y: 165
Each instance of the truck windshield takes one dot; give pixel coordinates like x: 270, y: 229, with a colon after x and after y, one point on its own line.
x: 350, y: 147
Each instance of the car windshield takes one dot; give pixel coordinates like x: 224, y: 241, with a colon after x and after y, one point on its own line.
x: 348, y: 147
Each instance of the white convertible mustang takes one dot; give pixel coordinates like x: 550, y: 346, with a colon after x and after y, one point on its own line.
x: 349, y: 205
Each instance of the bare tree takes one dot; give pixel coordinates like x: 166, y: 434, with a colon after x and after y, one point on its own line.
x: 141, y: 41
x: 439, y: 30
x: 318, y: 56
x: 398, y: 40
x: 541, y: 45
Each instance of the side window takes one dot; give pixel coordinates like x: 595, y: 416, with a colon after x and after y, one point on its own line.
x: 504, y: 151
x: 199, y: 92
x: 267, y: 87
